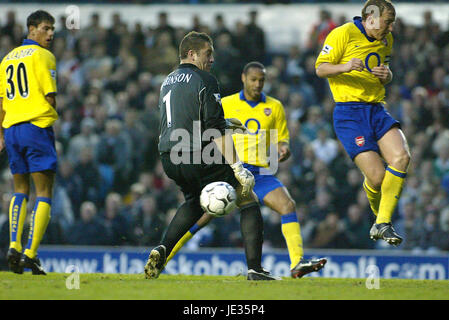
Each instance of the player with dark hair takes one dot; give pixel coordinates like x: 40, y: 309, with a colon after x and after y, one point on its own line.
x: 355, y: 59
x: 191, y: 120
x: 265, y: 118
x: 28, y: 102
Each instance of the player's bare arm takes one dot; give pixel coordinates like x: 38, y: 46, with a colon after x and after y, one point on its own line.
x: 326, y: 69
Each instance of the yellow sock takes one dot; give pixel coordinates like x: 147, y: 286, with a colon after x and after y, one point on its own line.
x: 373, y: 197
x: 292, y: 234
x: 391, y: 191
x: 17, y: 216
x: 185, y: 238
x: 39, y: 221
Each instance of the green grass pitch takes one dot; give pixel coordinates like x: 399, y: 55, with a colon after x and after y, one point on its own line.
x: 182, y: 287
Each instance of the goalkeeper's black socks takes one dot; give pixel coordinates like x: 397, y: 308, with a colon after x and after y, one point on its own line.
x: 186, y: 216
x: 251, y: 226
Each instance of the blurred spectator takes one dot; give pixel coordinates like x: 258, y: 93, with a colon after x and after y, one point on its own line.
x: 240, y: 40
x: 87, y: 138
x: 227, y: 231
x: 144, y: 87
x: 94, y: 29
x: 91, y: 178
x: 117, y: 228
x: 164, y: 27
x: 444, y: 226
x: 321, y: 207
x: 69, y: 70
x: 54, y: 234
x: 409, y: 225
x: 162, y: 58
x: 227, y: 65
x: 114, y: 33
x: 441, y: 163
x: 6, y: 45
x: 320, y: 86
x: 148, y: 222
x: 133, y: 201
x: 99, y: 64
x: 356, y: 229
x: 347, y: 194
x: 255, y: 38
x: 61, y: 209
x: 11, y: 27
x: 294, y: 61
x: 135, y: 130
x: 272, y: 230
x: 114, y: 157
x: 431, y: 237
x: 314, y: 123
x: 321, y: 29
x: 298, y: 84
x: 198, y: 26
x: 325, y: 148
x: 67, y: 179
x: 307, y: 225
x: 329, y: 233
x: 89, y: 230
x: 220, y: 27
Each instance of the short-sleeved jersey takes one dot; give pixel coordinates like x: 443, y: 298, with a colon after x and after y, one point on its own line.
x: 190, y: 104
x: 27, y: 76
x: 266, y: 124
x: 351, y: 41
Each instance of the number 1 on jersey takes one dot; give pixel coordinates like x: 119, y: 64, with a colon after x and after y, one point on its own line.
x: 166, y: 100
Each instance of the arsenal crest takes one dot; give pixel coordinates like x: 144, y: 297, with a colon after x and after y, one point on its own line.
x: 360, y: 141
x: 267, y: 111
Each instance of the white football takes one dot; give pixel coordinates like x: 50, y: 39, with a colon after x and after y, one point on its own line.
x: 218, y: 199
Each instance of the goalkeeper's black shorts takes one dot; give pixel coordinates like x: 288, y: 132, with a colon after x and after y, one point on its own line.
x: 192, y: 178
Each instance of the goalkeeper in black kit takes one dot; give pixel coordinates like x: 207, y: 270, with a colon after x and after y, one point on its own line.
x: 191, y: 119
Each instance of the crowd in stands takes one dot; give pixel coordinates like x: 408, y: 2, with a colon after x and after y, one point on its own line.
x: 110, y: 187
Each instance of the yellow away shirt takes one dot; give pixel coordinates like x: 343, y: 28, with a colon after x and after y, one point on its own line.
x: 350, y: 41
x: 266, y: 124
x: 27, y: 75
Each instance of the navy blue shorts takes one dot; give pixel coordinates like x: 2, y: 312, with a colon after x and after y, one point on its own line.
x: 359, y: 126
x: 264, y: 183
x: 30, y: 148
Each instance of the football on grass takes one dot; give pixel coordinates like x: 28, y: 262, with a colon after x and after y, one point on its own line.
x: 218, y: 199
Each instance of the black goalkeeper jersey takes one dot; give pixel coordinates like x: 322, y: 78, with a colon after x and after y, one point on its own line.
x: 189, y: 104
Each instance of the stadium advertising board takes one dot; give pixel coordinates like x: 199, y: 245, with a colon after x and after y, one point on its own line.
x: 352, y: 264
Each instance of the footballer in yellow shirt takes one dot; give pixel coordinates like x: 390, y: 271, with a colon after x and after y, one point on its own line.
x: 266, y: 126
x: 354, y: 59
x: 27, y: 103
x: 261, y: 114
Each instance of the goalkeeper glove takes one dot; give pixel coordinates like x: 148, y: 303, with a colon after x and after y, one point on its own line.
x: 234, y: 124
x: 244, y: 177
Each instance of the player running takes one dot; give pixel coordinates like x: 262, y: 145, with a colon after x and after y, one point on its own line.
x: 265, y: 119
x: 355, y: 59
x: 28, y: 102
x: 190, y: 106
